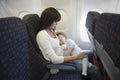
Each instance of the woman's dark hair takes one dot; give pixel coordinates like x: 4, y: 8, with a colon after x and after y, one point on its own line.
x: 48, y: 16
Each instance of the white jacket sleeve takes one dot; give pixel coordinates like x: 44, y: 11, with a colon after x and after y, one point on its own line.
x: 47, y: 50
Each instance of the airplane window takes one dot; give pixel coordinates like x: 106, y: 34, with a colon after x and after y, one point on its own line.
x: 65, y: 26
x: 83, y: 31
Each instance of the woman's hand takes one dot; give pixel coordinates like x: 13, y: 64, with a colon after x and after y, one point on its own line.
x: 81, y: 55
x: 76, y: 57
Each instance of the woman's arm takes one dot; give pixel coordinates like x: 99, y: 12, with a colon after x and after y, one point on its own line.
x: 46, y: 48
x: 76, y: 57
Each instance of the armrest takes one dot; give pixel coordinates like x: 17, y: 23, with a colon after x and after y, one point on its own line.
x: 63, y: 66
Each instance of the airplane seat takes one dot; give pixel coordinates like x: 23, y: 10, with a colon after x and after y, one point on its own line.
x: 90, y: 25
x: 107, y: 42
x: 17, y: 61
x: 32, y: 23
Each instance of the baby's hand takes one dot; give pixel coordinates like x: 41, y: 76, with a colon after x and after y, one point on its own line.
x: 64, y: 47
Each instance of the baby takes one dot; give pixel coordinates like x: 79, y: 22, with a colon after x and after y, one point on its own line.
x: 71, y: 48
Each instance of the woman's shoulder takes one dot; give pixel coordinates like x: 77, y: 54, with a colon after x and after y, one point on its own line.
x: 41, y: 33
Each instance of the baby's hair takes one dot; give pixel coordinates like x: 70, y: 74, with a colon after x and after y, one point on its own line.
x: 61, y: 33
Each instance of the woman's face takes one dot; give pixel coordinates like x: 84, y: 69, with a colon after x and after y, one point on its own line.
x: 53, y: 25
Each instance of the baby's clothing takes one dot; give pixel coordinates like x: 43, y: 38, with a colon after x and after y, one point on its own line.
x: 71, y: 44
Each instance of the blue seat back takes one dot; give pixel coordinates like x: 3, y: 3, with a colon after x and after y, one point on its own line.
x: 107, y: 33
x: 90, y: 25
x: 32, y: 23
x: 14, y: 60
x: 18, y: 60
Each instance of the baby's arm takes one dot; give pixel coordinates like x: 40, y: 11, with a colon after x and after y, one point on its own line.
x: 69, y: 51
x: 70, y: 45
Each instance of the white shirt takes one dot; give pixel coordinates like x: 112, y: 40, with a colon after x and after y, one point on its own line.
x: 50, y: 47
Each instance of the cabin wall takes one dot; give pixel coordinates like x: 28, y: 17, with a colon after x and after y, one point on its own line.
x: 15, y: 7
x: 3, y: 11
x: 117, y: 10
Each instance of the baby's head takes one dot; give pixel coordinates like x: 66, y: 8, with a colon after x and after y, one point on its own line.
x: 62, y: 37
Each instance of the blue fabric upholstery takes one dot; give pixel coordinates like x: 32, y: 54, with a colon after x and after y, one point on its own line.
x: 18, y: 60
x: 90, y: 25
x: 14, y: 60
x: 38, y: 69
x: 107, y: 39
x: 32, y: 23
x: 107, y: 27
x: 66, y: 76
x: 90, y: 21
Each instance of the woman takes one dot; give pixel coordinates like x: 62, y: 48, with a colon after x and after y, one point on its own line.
x: 48, y: 41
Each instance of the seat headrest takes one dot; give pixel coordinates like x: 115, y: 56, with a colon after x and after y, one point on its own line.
x: 32, y: 23
x: 90, y: 21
